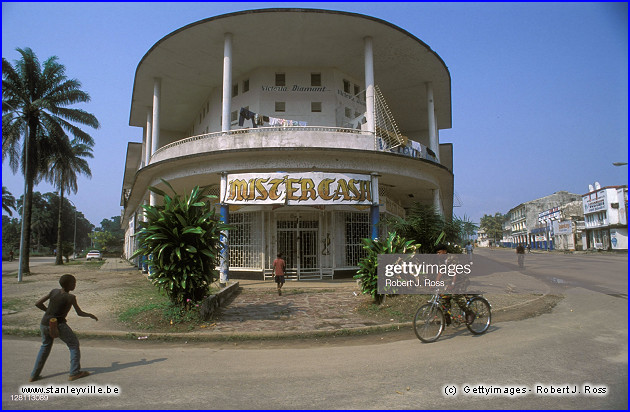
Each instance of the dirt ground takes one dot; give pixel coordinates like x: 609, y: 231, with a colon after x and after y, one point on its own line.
x: 98, y: 291
x: 106, y: 292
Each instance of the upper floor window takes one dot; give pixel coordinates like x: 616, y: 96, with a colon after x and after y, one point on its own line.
x: 235, y: 90
x: 280, y: 106
x: 245, y: 86
x: 356, y: 90
x: 281, y: 79
x: 316, y: 107
x: 346, y: 86
x: 316, y: 79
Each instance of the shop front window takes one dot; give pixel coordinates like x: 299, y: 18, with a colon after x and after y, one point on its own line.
x: 357, y: 227
x: 245, y: 240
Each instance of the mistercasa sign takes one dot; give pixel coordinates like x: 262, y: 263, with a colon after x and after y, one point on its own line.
x: 297, y: 189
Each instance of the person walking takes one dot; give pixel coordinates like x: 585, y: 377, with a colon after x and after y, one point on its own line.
x: 469, y: 250
x: 54, y: 325
x: 520, y: 251
x: 279, y: 270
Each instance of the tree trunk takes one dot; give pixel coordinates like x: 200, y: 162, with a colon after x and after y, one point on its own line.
x: 25, y: 245
x: 27, y: 203
x: 59, y: 257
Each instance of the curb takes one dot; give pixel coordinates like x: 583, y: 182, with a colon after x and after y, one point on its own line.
x: 237, y: 336
x: 218, y: 336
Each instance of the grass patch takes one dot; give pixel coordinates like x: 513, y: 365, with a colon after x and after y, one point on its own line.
x: 15, y: 304
x: 401, y: 308
x: 73, y: 263
x: 145, y: 308
x: 94, y: 264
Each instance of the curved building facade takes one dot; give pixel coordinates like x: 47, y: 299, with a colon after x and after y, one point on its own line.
x: 310, y: 126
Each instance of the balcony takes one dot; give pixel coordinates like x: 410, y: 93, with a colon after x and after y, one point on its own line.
x: 288, y: 136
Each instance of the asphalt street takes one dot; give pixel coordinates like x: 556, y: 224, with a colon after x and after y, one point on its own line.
x: 576, y: 345
x: 581, y: 347
x: 12, y: 267
x: 601, y: 272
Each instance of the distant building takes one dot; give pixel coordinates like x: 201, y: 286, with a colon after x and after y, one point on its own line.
x: 531, y: 223
x: 605, y: 218
x: 482, y: 238
x: 567, y: 230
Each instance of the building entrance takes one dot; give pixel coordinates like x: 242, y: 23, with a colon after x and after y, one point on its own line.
x: 297, y: 240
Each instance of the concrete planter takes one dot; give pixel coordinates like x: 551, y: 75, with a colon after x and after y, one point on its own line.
x: 213, y: 302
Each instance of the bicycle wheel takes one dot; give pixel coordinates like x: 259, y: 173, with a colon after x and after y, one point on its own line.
x: 428, y: 323
x: 480, y: 307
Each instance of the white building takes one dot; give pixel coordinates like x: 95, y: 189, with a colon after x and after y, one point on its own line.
x: 482, y: 239
x: 606, y: 218
x: 314, y: 122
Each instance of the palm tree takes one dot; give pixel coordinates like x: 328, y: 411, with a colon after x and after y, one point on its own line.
x: 35, y: 102
x: 65, y: 162
x: 8, y: 201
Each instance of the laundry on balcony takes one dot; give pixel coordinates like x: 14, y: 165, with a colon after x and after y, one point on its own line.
x: 245, y: 114
x: 259, y: 119
x: 284, y: 122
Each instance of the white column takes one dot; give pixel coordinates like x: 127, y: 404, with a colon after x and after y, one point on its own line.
x: 369, y: 85
x: 434, y: 144
x: 436, y: 201
x: 143, y: 156
x: 227, y: 83
x: 148, y: 137
x: 155, y: 132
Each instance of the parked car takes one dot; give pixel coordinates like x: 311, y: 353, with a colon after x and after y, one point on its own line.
x: 94, y: 254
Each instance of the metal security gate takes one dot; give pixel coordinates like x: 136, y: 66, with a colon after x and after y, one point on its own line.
x: 297, y: 240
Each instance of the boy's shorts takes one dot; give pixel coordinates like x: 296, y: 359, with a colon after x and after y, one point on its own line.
x: 280, y: 279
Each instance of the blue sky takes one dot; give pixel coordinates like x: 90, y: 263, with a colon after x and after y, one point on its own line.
x: 539, y: 90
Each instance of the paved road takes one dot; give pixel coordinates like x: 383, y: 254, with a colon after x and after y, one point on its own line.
x: 12, y: 267
x: 583, y: 342
x: 576, y: 345
x: 605, y: 273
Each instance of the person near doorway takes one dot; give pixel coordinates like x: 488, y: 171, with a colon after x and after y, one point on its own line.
x: 279, y: 269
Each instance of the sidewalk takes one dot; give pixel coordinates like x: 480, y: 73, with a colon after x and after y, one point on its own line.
x: 305, y: 309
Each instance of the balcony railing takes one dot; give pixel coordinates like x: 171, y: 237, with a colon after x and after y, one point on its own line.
x: 419, y: 150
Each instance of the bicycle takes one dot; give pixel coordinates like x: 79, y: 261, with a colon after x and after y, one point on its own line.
x: 430, y: 319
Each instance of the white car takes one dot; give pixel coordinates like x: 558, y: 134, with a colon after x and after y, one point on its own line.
x: 94, y: 254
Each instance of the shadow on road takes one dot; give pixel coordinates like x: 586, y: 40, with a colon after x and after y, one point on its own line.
x: 116, y: 366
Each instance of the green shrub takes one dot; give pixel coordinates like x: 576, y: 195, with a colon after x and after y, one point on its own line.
x: 182, y: 239
x: 367, y: 273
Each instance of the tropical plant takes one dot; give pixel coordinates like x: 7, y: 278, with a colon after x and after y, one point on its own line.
x: 8, y: 201
x: 182, y: 239
x: 35, y: 100
x: 493, y: 225
x: 66, y: 160
x: 109, y: 236
x: 426, y: 227
x: 468, y: 228
x: 44, y: 226
x: 42, y: 221
x: 368, y: 266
